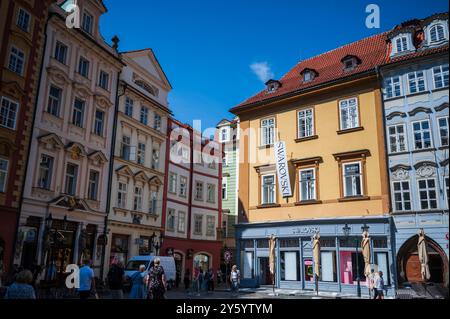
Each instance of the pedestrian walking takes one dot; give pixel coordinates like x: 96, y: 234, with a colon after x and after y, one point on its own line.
x: 196, y: 281
x: 87, y: 280
x: 21, y: 288
x: 219, y: 276
x: 379, y: 286
x: 157, y: 281
x: 187, y: 280
x: 211, y: 280
x: 137, y: 284
x: 116, y: 276
x: 235, y: 279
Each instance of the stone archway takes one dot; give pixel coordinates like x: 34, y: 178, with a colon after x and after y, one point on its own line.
x: 408, y: 264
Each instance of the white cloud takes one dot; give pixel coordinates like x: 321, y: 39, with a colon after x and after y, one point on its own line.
x: 262, y: 71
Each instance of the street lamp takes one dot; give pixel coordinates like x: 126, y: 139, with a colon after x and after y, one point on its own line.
x: 346, y: 229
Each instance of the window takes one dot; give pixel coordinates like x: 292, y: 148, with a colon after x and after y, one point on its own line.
x: 83, y: 67
x: 94, y: 178
x: 153, y: 202
x: 98, y: 124
x: 447, y: 188
x: 348, y: 110
x: 437, y: 33
x: 224, y: 134
x: 225, y: 159
x: 171, y: 220
x: 427, y: 193
x: 416, y: 81
x: 307, y: 184
x: 268, y: 189
x: 8, y: 113
x: 54, y: 100
x: 3, y: 174
x: 172, y: 183
x: 393, y: 87
x: 78, y: 113
x: 157, y: 122
x: 307, y: 76
x: 122, y: 195
x: 141, y: 154
x: 422, y: 135
x: 397, y: 140
x: 349, y: 63
x: 16, y: 60
x: 137, y: 204
x: 23, y: 20
x: 382, y: 261
x: 155, y: 158
x: 224, y: 188
x: 328, y: 265
x: 61, y: 52
x: 144, y: 115
x: 352, y: 179
x: 45, y: 171
x: 71, y: 179
x: 401, y: 44
x: 181, y: 222
x: 103, y: 80
x: 210, y: 225
x: 88, y: 21
x: 267, y: 132
x: 125, y: 148
x: 402, y: 196
x: 183, y: 186
x: 247, y: 264
x: 440, y: 76
x: 211, y: 189
x: 290, y: 266
x: 443, y: 130
x: 212, y: 164
x: 199, y: 190
x: 129, y: 103
x: 198, y: 224
x: 305, y: 123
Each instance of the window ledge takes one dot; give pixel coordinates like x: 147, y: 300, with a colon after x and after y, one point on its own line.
x: 398, y: 153
x: 268, y: 206
x: 393, y: 98
x: 444, y: 88
x: 424, y: 150
x: 308, y: 202
x: 353, y: 198
x: 417, y: 93
x: 308, y: 138
x: 350, y: 130
x: 443, y: 148
x: 263, y: 147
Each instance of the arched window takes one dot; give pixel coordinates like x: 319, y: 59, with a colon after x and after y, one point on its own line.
x: 437, y: 33
x: 202, y: 261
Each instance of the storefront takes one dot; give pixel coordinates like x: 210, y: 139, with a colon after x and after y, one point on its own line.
x: 341, y: 257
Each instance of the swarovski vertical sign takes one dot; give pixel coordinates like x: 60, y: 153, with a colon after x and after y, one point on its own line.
x: 282, y: 169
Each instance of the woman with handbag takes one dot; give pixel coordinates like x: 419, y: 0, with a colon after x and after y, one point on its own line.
x: 158, y: 284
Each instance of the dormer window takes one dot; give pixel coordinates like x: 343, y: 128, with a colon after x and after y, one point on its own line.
x: 272, y: 85
x: 401, y: 44
x: 308, y: 75
x: 88, y: 22
x: 437, y: 33
x: 350, y: 62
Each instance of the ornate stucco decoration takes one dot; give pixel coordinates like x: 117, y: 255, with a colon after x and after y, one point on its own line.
x: 400, y: 174
x: 426, y: 171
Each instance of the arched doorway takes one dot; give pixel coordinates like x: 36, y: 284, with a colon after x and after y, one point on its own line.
x: 408, y: 263
x: 202, y: 261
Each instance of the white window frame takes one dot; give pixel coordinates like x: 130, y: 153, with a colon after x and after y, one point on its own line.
x: 122, y: 191
x: 401, y: 192
x: 103, y: 80
x: 404, y: 44
x: 361, y: 179
x: 155, y: 158
x: 49, y: 171
x: 76, y: 111
x: 421, y: 134
x: 99, y: 125
x: 171, y: 216
x: 391, y: 85
x: 140, y: 158
x: 224, y: 187
x: 143, y: 115
x: 416, y: 79
x: 137, y: 199
x: 211, y: 191
x: 274, y: 191
x: 8, y: 112
x: 153, y: 204
x: 4, y: 172
x: 441, y: 75
x: 439, y: 129
x: 198, y: 218
x: 181, y: 225
x: 436, y: 25
x: 173, y: 179
x: 314, y: 195
x: 19, y: 60
x: 427, y: 190
x: 183, y: 189
x: 225, y: 130
x: 95, y: 183
x: 302, y: 116
x: 201, y: 197
x: 210, y: 220
x: 58, y: 46
x: 87, y: 28
x: 350, y: 120
x: 268, y: 131
x: 397, y: 135
x: 157, y: 122
x: 83, y: 67
x: 75, y: 178
x: 129, y: 106
x: 20, y: 21
x: 53, y: 99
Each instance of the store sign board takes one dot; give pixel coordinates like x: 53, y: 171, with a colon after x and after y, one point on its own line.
x: 282, y: 169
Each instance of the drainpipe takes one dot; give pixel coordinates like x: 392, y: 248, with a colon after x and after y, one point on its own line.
x: 111, y: 168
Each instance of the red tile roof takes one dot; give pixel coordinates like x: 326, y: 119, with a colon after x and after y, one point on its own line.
x: 418, y: 54
x: 371, y: 51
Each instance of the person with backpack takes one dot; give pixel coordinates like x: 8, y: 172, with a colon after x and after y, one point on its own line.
x: 116, y: 277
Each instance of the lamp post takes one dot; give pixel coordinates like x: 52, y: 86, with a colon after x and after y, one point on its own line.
x: 347, y: 230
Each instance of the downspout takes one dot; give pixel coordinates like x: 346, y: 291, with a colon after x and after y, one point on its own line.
x: 111, y: 168
x: 31, y: 139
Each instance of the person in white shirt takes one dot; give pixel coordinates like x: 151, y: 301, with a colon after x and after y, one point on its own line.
x: 235, y: 278
x: 379, y: 286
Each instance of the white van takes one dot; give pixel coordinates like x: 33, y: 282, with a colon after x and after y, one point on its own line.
x: 168, y: 263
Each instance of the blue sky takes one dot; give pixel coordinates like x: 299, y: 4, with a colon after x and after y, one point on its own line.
x: 216, y: 53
